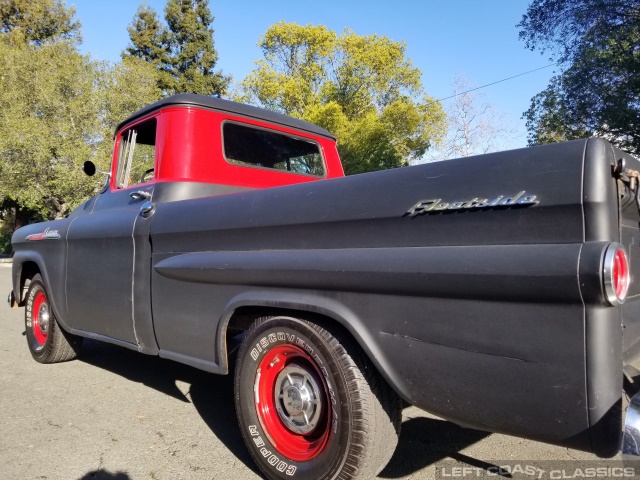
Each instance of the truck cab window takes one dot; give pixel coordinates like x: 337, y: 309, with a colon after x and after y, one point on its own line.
x: 136, y: 155
x: 258, y: 147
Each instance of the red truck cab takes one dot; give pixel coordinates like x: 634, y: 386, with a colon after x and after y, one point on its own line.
x: 188, y: 138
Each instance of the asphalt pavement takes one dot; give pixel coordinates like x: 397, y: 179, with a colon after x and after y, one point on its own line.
x: 115, y: 414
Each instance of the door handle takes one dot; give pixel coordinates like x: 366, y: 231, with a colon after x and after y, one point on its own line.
x: 140, y: 194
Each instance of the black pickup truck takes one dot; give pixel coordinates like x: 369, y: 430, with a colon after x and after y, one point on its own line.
x: 498, y: 292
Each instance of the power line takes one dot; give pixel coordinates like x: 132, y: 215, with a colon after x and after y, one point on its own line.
x: 499, y: 81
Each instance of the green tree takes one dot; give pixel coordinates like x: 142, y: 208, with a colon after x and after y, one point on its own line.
x: 192, y: 55
x: 147, y: 36
x: 548, y: 118
x: 48, y: 124
x: 58, y: 108
x: 35, y: 35
x: 361, y: 88
x: 127, y: 87
x: 148, y: 39
x: 37, y: 21
x: 124, y: 88
x: 597, y: 43
x: 183, y: 53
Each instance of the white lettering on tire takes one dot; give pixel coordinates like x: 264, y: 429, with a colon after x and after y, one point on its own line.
x: 272, y: 459
x: 264, y: 343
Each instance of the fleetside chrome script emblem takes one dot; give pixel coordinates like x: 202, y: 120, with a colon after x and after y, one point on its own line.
x: 47, y: 234
x: 436, y: 205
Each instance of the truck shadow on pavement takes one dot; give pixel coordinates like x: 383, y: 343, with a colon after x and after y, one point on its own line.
x: 426, y: 441
x: 210, y: 394
x: 423, y: 441
x: 105, y: 475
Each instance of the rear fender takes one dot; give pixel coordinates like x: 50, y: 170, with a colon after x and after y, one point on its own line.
x: 313, y: 303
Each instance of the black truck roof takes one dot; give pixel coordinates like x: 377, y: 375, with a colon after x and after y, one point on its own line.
x: 203, y: 101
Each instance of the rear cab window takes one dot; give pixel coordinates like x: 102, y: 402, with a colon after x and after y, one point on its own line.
x: 258, y: 147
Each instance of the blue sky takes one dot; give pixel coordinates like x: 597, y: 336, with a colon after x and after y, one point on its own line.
x: 474, y: 38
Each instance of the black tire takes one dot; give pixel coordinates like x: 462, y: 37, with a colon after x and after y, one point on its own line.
x: 313, y: 369
x: 48, y: 342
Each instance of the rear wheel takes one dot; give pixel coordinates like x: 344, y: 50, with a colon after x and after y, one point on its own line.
x: 310, y: 405
x: 48, y: 342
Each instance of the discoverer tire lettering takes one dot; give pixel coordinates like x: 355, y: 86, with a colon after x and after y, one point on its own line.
x: 309, y: 404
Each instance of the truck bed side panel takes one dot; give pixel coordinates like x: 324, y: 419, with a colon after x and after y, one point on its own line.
x: 453, y: 307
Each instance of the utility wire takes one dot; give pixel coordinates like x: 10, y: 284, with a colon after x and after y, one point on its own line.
x: 499, y: 81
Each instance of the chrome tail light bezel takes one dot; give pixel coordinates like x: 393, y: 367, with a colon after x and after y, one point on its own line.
x: 616, y: 283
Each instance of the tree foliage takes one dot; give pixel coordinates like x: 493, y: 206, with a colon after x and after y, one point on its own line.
x: 48, y: 119
x: 58, y: 108
x: 182, y: 52
x: 191, y: 53
x: 124, y: 88
x: 362, y: 88
x: 147, y: 36
x: 549, y: 119
x: 37, y: 21
x: 563, y: 26
x: 597, y: 42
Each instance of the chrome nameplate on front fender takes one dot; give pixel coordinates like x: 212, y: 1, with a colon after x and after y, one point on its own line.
x: 48, y: 234
x: 436, y: 205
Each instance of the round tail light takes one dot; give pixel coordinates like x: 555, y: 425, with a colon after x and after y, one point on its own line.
x: 616, y: 274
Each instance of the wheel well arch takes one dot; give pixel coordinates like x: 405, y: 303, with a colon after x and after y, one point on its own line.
x: 331, y: 315
x: 28, y: 269
x: 243, y: 317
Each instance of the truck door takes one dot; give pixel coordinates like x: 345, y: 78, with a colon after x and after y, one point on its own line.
x: 107, y: 282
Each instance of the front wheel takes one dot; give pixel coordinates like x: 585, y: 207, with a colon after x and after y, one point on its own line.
x: 48, y: 342
x: 310, y: 405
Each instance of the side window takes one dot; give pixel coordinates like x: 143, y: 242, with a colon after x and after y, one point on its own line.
x: 257, y: 147
x: 136, y: 155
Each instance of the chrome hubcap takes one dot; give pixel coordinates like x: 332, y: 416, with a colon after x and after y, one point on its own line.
x: 43, y: 317
x: 297, y: 399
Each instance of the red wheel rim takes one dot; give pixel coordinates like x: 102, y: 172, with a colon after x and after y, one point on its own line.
x: 292, y: 402
x: 40, y: 318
